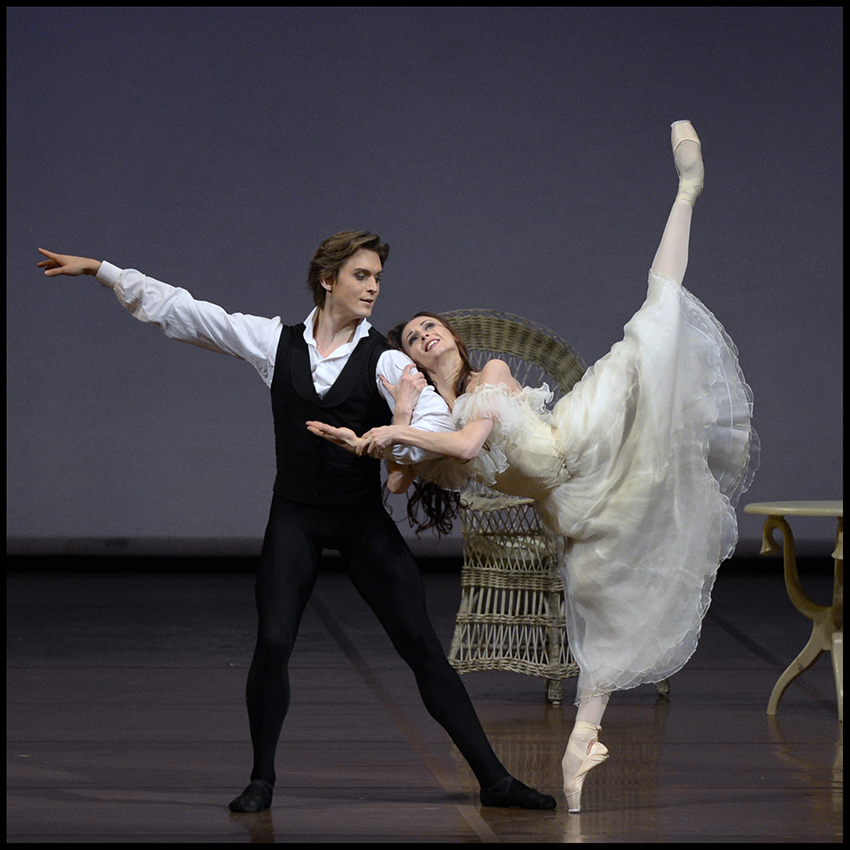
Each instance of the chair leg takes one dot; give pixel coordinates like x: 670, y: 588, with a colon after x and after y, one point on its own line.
x: 554, y: 691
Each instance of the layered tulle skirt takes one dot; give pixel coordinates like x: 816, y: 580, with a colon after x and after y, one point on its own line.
x: 639, y: 469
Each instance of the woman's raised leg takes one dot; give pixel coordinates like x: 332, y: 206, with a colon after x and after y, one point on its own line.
x: 671, y: 259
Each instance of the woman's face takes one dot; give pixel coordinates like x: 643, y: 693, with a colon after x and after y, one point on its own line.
x: 426, y: 340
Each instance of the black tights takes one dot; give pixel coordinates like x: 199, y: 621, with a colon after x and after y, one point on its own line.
x: 386, y: 576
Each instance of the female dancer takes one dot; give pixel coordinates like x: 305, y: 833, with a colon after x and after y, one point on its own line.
x: 639, y: 467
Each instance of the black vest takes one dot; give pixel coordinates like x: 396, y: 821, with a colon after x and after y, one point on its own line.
x: 311, y: 470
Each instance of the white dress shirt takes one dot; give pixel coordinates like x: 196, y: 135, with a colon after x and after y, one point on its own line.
x: 255, y: 339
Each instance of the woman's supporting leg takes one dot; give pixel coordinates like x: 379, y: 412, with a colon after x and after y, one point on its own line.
x: 584, y: 752
x: 591, y: 710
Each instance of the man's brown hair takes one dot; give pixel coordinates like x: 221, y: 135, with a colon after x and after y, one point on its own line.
x: 334, y: 252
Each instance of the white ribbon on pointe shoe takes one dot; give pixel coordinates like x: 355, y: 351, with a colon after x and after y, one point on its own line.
x: 584, y: 734
x: 688, y: 160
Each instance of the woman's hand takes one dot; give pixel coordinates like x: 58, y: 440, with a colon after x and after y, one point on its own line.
x: 406, y: 392
x: 378, y: 441
x: 343, y: 437
x: 66, y: 264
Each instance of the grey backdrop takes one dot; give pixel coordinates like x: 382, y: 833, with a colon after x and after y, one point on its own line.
x: 514, y: 158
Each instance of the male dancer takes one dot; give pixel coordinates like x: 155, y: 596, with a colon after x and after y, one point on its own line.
x: 325, y: 369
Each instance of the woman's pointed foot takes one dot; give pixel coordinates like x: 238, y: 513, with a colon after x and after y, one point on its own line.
x: 687, y: 154
x: 584, y: 752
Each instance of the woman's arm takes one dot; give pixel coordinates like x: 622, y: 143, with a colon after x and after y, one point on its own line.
x: 404, y: 394
x: 401, y: 476
x: 463, y: 445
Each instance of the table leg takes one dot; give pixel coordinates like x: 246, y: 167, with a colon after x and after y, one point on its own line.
x: 838, y: 668
x: 821, y: 641
x: 823, y: 627
x: 838, y: 618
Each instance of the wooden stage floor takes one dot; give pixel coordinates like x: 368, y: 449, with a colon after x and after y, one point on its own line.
x: 126, y: 723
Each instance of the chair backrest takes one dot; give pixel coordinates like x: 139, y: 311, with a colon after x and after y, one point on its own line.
x: 535, y: 354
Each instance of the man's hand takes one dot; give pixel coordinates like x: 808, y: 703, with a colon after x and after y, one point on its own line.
x: 66, y: 264
x: 344, y: 437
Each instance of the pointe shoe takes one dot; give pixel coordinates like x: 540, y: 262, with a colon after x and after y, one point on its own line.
x: 688, y: 159
x: 584, y: 745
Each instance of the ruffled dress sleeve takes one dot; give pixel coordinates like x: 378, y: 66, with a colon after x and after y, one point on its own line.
x: 503, y: 405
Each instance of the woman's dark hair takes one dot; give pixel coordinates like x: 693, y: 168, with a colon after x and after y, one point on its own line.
x: 333, y: 254
x: 439, y: 506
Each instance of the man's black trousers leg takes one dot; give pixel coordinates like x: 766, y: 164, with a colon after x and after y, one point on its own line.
x: 289, y: 566
x: 386, y: 575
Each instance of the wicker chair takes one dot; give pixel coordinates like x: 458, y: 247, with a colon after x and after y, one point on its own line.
x: 512, y: 614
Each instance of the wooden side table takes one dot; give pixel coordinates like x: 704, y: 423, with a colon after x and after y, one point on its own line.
x: 827, y: 621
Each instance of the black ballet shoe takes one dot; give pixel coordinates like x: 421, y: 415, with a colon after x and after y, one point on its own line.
x: 257, y: 797
x: 510, y: 793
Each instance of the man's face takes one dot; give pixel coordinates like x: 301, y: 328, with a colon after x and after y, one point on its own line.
x: 357, y: 285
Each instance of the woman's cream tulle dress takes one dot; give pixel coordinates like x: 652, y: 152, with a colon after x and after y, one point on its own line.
x: 639, y: 468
